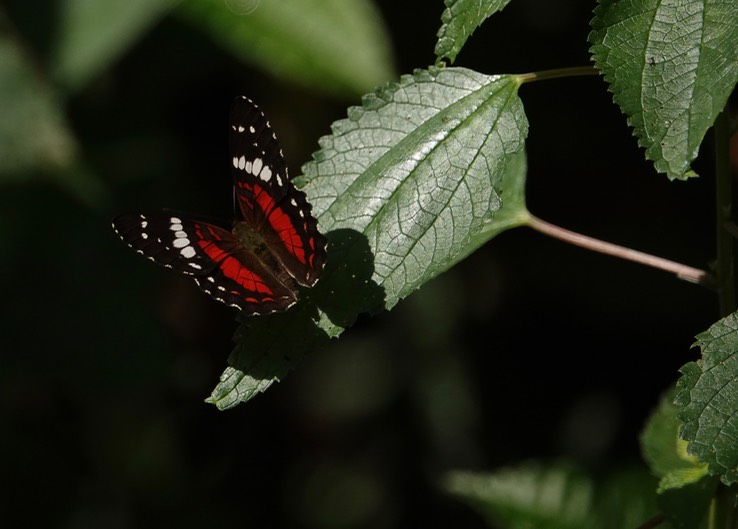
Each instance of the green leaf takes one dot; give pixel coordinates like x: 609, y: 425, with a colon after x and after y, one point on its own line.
x: 707, y: 400
x: 417, y: 171
x: 671, y: 66
x: 557, y: 497
x: 264, y: 353
x: 684, y: 496
x: 459, y: 20
x: 685, y: 490
x: 34, y: 134
x: 94, y: 33
x: 337, y: 46
x: 662, y: 449
x: 411, y: 183
x: 35, y: 138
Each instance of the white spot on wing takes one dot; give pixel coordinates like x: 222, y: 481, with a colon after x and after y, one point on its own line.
x: 188, y: 252
x: 257, y: 165
x: 181, y: 243
x: 266, y: 173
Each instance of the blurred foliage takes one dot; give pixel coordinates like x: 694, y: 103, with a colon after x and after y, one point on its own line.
x: 34, y: 132
x: 558, y: 496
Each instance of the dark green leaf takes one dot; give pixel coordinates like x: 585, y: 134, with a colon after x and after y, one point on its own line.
x: 684, y: 497
x: 460, y: 19
x: 707, y: 400
x: 671, y: 67
x: 264, y: 353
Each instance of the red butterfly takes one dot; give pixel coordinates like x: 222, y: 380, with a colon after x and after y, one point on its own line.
x: 257, y: 265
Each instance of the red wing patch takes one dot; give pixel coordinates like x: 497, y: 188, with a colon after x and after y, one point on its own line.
x: 257, y: 265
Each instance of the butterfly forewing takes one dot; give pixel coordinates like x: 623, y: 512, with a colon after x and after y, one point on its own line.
x: 267, y: 198
x: 171, y: 241
x: 222, y: 266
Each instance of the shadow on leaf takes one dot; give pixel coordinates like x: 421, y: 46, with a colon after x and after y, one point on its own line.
x: 267, y: 347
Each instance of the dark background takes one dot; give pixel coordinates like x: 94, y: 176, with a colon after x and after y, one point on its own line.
x: 528, y: 349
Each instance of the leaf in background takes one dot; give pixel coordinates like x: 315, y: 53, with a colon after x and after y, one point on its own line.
x: 662, y: 449
x: 411, y: 183
x: 707, y: 400
x: 34, y: 134
x: 94, y: 33
x: 671, y: 66
x: 459, y: 20
x: 684, y: 496
x: 556, y: 497
x: 337, y: 46
x: 685, y: 489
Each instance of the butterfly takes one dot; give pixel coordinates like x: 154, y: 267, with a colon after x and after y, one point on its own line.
x: 257, y: 264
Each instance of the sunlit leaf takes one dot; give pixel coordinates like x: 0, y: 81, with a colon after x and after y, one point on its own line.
x: 417, y: 171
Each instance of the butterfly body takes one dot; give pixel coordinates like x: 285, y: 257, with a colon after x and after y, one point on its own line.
x: 257, y: 264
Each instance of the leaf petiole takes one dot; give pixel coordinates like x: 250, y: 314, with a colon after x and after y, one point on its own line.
x: 688, y: 273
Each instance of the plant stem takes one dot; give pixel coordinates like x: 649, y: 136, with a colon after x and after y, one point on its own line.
x: 723, y: 511
x: 725, y: 240
x: 688, y: 273
x: 559, y: 72
x: 721, y: 514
